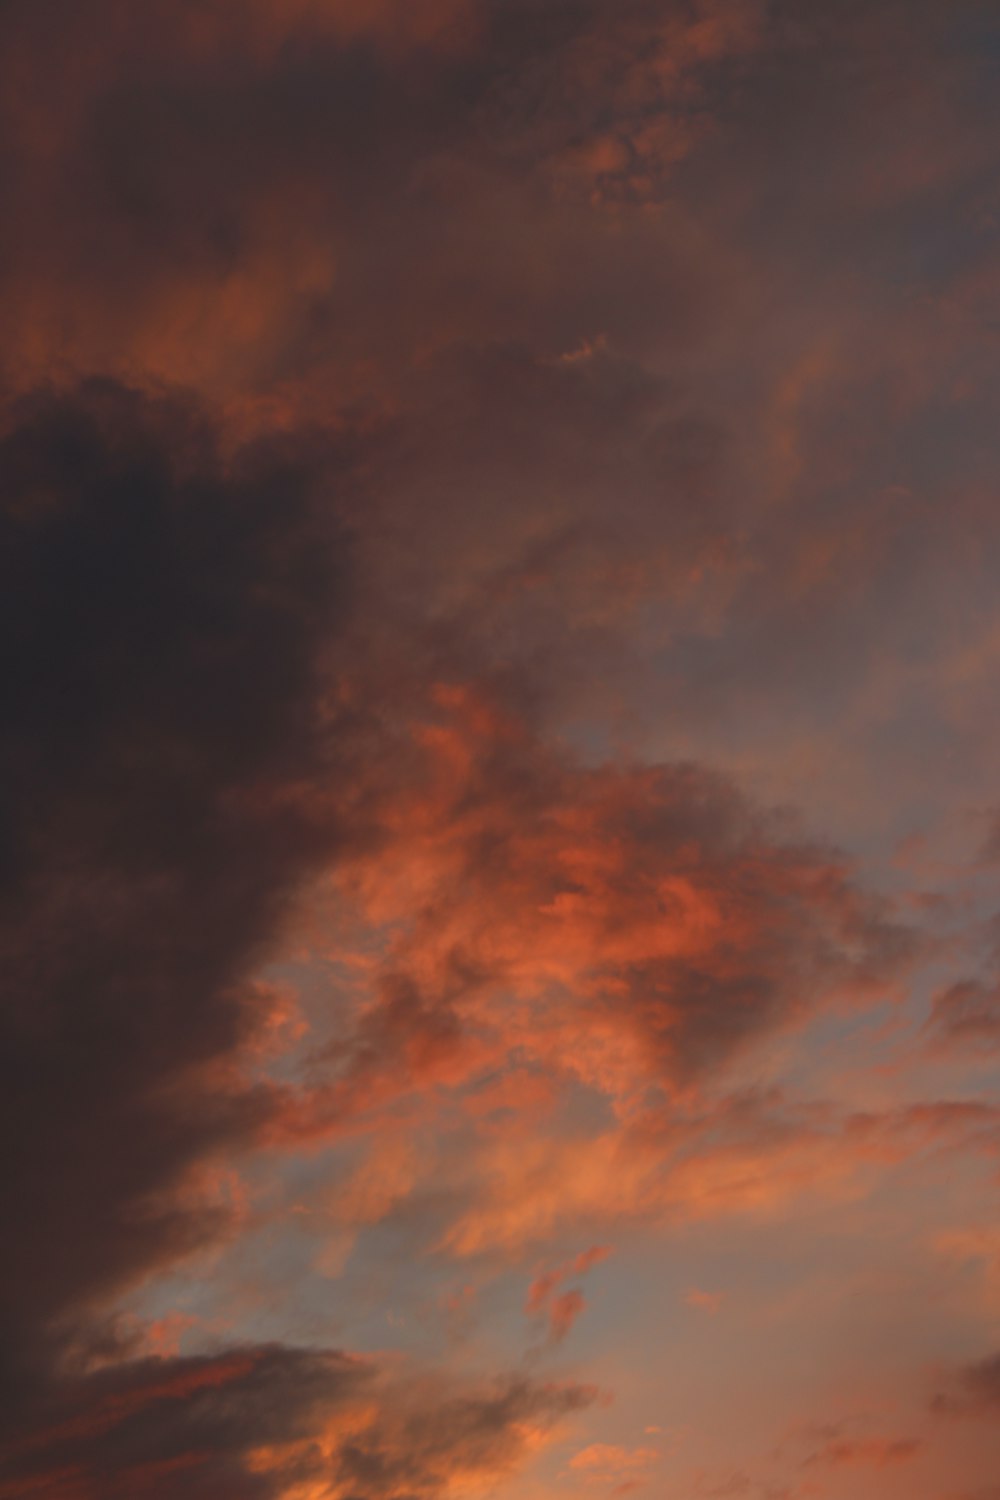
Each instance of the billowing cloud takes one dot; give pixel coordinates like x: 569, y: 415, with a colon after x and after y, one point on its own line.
x: 462, y: 465
x: 649, y: 912
x: 171, y: 768
x: 165, y: 614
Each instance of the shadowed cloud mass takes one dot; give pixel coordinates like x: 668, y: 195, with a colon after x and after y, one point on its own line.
x: 499, y: 642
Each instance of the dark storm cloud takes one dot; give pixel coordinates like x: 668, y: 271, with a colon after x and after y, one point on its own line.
x: 163, y: 619
x: 254, y: 1421
x: 176, y: 1427
x: 305, y: 193
x: 542, y: 238
x: 172, y: 772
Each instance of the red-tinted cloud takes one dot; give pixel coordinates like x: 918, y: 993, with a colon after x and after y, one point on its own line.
x: 271, y: 1421
x: 623, y: 927
x: 404, y: 405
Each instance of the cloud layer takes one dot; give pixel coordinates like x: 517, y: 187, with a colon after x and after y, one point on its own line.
x: 499, y: 640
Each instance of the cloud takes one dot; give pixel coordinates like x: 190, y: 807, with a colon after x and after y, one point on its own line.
x: 538, y: 940
x: 228, y: 173
x: 967, y: 1014
x: 865, y: 1452
x: 972, y: 1390
x: 269, y: 1421
x: 547, y: 1282
x: 756, y: 1157
x: 165, y: 614
x: 625, y: 927
x: 526, y: 249
x: 973, y: 1248
x: 561, y: 1309
x: 177, y: 765
x: 613, y: 1466
x: 186, y: 698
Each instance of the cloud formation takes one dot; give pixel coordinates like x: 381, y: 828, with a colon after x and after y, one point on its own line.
x: 171, y: 760
x: 165, y: 613
x: 263, y: 1422
x: 462, y: 465
x: 649, y: 911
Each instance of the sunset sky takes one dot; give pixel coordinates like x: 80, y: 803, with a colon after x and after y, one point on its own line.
x: 500, y: 749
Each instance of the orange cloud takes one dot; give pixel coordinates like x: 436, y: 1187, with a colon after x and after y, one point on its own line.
x: 544, y: 1285
x: 502, y: 263
x: 609, y: 1464
x: 647, y: 913
x: 278, y: 1423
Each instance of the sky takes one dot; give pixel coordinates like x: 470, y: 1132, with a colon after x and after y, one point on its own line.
x: 500, y: 806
